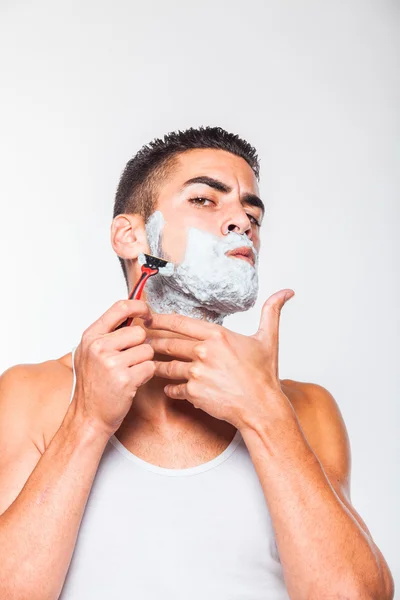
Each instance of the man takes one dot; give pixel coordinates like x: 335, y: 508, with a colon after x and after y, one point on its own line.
x: 167, y: 459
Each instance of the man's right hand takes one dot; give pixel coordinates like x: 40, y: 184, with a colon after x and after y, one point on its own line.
x: 111, y: 365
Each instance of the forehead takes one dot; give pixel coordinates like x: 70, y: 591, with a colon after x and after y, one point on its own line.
x: 219, y: 164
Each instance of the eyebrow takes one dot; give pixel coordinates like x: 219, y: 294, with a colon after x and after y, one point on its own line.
x: 247, y: 198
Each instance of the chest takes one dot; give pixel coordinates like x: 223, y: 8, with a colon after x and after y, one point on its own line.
x: 180, y: 451
x: 148, y: 536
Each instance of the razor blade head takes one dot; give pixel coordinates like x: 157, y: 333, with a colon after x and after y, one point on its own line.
x: 154, y: 262
x: 164, y: 267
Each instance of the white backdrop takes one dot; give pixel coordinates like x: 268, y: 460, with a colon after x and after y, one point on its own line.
x: 313, y: 85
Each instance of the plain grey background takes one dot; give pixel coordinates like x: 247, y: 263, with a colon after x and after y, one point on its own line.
x: 314, y: 86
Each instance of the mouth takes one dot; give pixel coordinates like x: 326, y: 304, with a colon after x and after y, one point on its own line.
x: 244, y: 253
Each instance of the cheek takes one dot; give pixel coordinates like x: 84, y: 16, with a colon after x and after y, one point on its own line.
x: 174, y: 241
x: 255, y: 238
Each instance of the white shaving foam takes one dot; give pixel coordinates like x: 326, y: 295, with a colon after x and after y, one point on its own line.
x: 207, y: 284
x: 141, y: 259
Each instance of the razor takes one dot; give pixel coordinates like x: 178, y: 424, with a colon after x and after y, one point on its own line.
x: 151, y: 265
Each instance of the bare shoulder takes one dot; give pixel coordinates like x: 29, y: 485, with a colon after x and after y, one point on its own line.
x: 34, y: 398
x: 323, y: 425
x: 313, y: 403
x: 33, y: 402
x: 306, y: 395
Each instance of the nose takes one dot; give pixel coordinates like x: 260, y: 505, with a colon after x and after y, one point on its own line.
x: 239, y: 223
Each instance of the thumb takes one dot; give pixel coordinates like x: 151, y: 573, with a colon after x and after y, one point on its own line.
x: 268, y: 330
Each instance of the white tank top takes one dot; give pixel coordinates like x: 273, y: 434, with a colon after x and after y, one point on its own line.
x: 152, y: 533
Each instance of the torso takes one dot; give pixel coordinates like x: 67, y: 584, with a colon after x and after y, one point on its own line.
x: 138, y: 532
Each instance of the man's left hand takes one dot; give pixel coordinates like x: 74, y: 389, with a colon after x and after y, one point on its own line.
x: 232, y: 377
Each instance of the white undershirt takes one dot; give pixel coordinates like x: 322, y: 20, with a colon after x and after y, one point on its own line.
x: 152, y: 533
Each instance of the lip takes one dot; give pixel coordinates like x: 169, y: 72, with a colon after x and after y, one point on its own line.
x: 244, y: 253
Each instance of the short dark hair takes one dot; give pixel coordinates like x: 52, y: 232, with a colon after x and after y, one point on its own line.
x: 138, y: 185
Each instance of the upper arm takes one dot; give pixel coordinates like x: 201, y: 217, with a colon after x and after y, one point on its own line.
x: 19, y: 453
x: 322, y: 423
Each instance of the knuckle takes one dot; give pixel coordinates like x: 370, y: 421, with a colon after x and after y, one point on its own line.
x: 86, y: 335
x: 122, y: 379
x: 169, y: 347
x: 218, y: 335
x: 96, y: 346
x: 123, y: 305
x: 274, y: 308
x: 178, y: 321
x: 200, y: 350
x: 109, y: 362
x: 86, y: 341
x: 194, y: 371
x: 169, y: 369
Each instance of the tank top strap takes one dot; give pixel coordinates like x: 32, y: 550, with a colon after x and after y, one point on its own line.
x: 74, y: 375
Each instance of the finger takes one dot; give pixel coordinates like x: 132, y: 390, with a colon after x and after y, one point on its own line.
x: 177, y: 391
x: 172, y: 369
x: 130, y: 357
x: 136, y: 355
x: 142, y: 372
x: 119, y: 311
x: 174, y: 347
x: 268, y: 329
x: 124, y: 338
x: 194, y: 328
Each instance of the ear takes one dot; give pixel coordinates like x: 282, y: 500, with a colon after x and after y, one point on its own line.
x: 128, y: 236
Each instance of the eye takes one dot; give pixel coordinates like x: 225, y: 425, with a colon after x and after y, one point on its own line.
x: 253, y: 220
x: 200, y: 201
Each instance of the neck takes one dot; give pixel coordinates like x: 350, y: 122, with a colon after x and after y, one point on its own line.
x: 153, y: 415
x: 154, y: 410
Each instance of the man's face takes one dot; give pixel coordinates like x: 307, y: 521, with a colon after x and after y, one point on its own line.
x: 184, y: 203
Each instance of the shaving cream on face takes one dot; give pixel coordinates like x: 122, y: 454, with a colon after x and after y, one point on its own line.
x: 207, y: 283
